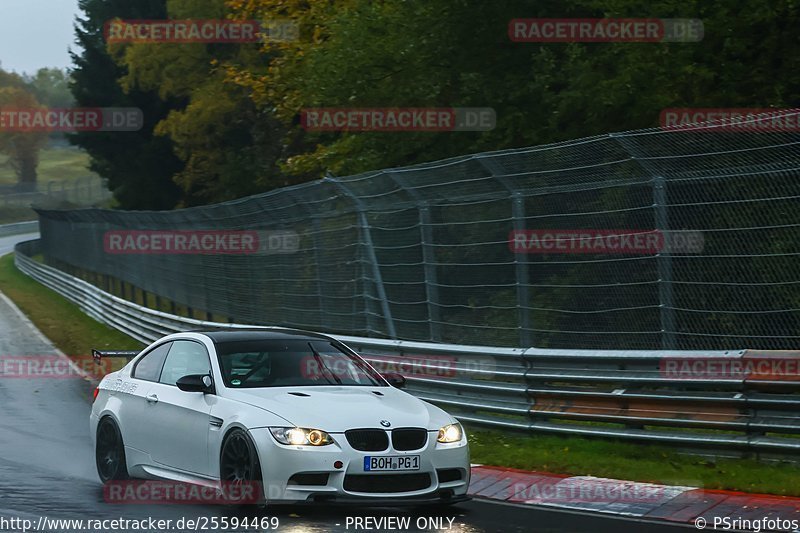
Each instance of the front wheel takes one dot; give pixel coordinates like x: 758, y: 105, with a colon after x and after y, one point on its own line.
x: 110, y: 452
x: 240, y: 470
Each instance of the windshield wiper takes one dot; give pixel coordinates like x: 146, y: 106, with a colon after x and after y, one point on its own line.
x: 321, y: 363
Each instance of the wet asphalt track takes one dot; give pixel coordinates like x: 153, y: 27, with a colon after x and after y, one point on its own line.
x: 47, y: 466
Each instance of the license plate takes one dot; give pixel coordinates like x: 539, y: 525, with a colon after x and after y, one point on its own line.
x: 388, y: 463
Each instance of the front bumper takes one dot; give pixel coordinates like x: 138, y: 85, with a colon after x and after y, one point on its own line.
x: 279, y: 463
x: 440, y: 497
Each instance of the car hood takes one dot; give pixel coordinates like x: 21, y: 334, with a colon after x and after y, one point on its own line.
x: 338, y: 408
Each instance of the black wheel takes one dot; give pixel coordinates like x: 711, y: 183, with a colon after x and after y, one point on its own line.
x: 110, y: 452
x: 240, y: 470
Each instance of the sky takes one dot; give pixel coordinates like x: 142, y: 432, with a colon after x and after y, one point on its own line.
x: 36, y: 34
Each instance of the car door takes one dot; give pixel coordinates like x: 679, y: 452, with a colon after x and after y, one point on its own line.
x: 134, y: 409
x: 180, y: 421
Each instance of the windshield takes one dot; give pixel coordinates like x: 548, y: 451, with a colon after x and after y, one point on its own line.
x: 291, y: 363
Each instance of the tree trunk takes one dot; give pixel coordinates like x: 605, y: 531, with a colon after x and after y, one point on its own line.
x: 27, y: 162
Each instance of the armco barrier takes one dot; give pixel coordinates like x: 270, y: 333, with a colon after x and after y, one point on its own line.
x: 19, y: 228
x: 620, y: 394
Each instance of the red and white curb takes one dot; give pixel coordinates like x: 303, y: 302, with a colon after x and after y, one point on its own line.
x: 677, y: 504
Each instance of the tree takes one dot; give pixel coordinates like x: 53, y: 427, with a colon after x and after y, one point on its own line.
x: 51, y: 87
x: 456, y: 53
x: 228, y: 146
x: 21, y: 147
x: 138, y: 165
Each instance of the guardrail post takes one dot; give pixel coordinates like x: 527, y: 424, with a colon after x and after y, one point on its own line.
x: 366, y: 241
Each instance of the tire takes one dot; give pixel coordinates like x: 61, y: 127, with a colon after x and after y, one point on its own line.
x: 110, y: 452
x: 239, y: 466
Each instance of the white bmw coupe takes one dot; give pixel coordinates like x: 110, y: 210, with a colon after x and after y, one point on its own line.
x: 299, y: 413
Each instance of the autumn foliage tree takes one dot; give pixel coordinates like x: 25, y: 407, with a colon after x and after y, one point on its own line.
x: 20, y: 146
x: 228, y: 113
x: 139, y: 166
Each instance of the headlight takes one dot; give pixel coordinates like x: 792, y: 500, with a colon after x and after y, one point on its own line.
x: 450, y: 433
x: 301, y: 436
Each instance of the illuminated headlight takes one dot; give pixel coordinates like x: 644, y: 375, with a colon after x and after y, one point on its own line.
x: 450, y: 433
x: 301, y: 436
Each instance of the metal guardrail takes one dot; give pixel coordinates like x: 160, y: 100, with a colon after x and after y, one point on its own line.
x: 618, y: 394
x: 19, y: 228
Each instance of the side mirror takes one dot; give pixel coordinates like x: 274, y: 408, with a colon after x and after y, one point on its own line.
x: 196, y: 383
x: 395, y: 380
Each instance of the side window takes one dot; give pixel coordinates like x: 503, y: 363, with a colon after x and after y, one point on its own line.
x: 185, y: 358
x: 149, y: 366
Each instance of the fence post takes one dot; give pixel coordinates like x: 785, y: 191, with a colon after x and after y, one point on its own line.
x: 521, y: 270
x: 664, y: 264
x: 428, y: 256
x: 522, y: 275
x: 663, y: 258
x: 366, y: 234
x: 315, y: 237
x: 431, y: 277
x: 318, y: 260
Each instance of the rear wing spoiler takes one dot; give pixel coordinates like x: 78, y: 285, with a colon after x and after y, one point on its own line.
x: 97, y: 355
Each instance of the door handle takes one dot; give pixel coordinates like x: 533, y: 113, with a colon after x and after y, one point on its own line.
x: 152, y: 398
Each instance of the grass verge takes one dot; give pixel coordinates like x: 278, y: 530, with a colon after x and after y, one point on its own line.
x: 9, y: 215
x: 76, y: 333
x: 56, y: 163
x: 69, y: 328
x: 624, y: 460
